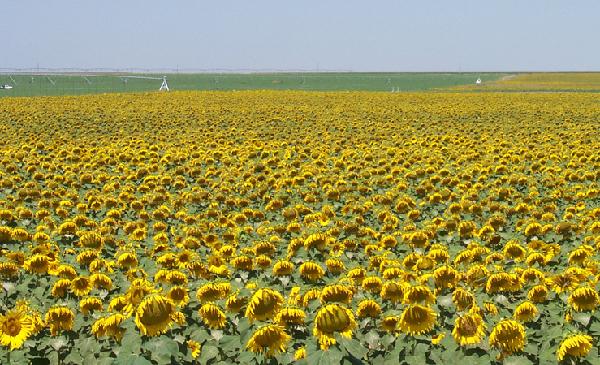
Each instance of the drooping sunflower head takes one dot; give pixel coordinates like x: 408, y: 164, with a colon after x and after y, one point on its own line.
x: 90, y: 304
x: 368, y: 308
x: 81, y: 286
x: 525, y: 312
x: 469, y: 329
x: 311, y: 271
x: 109, y: 326
x: 330, y: 319
x: 179, y: 295
x: 212, y: 316
x: 575, y: 346
x: 446, y: 277
x: 194, y: 348
x: 283, y: 267
x: 290, y: 316
x: 417, y: 319
x: 265, y: 303
x: 393, y: 291
x: 38, y: 264
x: 336, y: 293
x: 462, y: 299
x: 235, y: 303
x: 390, y: 323
x: 538, y: 294
x: 419, y: 294
x: 270, y: 340
x: 59, y: 318
x: 210, y: 292
x: 584, y: 298
x: 154, y: 315
x: 508, y: 336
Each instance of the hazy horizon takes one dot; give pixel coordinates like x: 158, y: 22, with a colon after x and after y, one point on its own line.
x: 263, y: 36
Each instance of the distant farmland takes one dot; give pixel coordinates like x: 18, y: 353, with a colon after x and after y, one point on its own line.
x: 75, y: 84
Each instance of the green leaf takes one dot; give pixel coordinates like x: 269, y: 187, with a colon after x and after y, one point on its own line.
x: 517, y: 360
x: 87, y: 346
x: 208, y: 353
x: 327, y: 357
x: 583, y: 318
x: 353, y: 347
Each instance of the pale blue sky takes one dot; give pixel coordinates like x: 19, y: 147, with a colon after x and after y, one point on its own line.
x: 459, y: 35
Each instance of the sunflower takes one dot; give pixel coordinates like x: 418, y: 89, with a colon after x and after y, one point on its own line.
x: 179, y: 295
x: 446, y: 277
x: 393, y: 291
x: 101, y: 281
x: 462, y: 299
x: 334, y: 265
x: 336, y: 293
x: 194, y: 348
x: 270, y: 339
x: 469, y: 329
x: 283, y: 267
x: 59, y: 318
x: 212, y: 316
x: 154, y: 315
x: 372, y: 284
x: 210, y: 292
x: 330, y: 319
x: 577, y: 345
x: 368, y: 308
x: 109, y: 326
x: 90, y: 304
x: 390, y: 323
x: 508, y: 336
x: 265, y: 303
x: 525, y: 312
x: 234, y: 303
x: 81, y: 286
x: 61, y: 288
x: 290, y: 316
x: 300, y: 353
x: 417, y: 319
x: 538, y: 294
x: 311, y: 271
x: 38, y: 264
x: 138, y: 290
x: 15, y: 327
x: 584, y: 298
x: 419, y: 294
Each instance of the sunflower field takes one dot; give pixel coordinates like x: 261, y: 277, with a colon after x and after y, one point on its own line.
x: 270, y: 227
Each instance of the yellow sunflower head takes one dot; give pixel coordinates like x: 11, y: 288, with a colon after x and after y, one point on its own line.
x: 469, y: 329
x: 109, y: 326
x: 525, y: 312
x: 265, y: 303
x: 508, y: 336
x: 330, y: 319
x: 15, y: 327
x: 575, y: 346
x: 584, y: 298
x: 368, y: 308
x: 212, y: 316
x: 59, y: 318
x: 417, y: 319
x: 154, y: 315
x: 270, y: 340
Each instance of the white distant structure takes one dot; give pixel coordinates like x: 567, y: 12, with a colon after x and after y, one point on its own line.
x: 164, y: 86
x: 5, y: 87
x: 478, y: 82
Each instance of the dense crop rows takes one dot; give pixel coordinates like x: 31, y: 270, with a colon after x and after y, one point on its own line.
x: 290, y: 226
